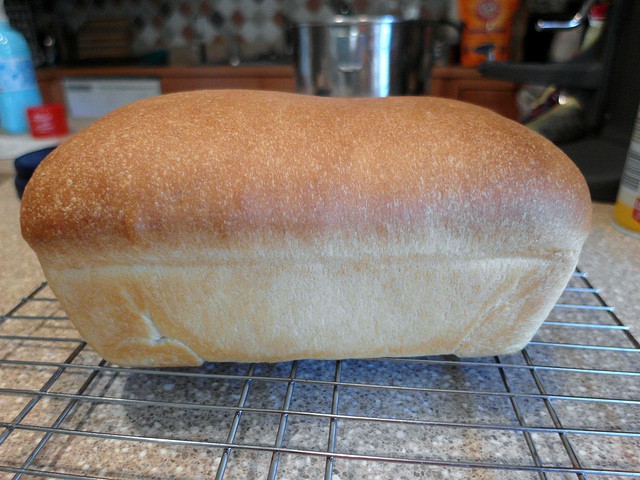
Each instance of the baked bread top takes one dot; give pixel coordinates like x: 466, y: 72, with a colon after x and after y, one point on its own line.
x: 223, y: 165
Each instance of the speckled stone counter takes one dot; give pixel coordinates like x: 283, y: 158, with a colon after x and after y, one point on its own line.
x: 20, y: 271
x: 65, y: 413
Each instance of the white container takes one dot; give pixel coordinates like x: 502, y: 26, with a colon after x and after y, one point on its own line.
x: 626, y: 213
x: 88, y: 99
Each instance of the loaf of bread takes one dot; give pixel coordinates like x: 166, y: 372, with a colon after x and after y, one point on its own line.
x: 263, y: 226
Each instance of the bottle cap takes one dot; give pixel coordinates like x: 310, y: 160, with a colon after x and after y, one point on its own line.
x: 598, y: 12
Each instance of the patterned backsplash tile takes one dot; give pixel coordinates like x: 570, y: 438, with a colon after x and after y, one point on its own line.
x: 247, y: 28
x: 197, y: 31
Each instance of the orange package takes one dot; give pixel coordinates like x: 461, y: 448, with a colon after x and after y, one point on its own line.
x: 486, y: 22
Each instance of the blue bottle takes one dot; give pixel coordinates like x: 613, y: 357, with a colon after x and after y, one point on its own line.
x: 18, y: 84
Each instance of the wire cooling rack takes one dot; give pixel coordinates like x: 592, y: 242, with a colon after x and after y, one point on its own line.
x: 566, y: 407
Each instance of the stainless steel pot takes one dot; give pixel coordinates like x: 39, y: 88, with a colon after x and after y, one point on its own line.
x: 364, y: 56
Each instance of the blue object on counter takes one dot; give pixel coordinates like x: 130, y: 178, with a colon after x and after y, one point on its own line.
x: 18, y: 84
x: 25, y: 166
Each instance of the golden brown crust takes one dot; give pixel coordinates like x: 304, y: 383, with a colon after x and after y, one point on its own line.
x: 220, y: 163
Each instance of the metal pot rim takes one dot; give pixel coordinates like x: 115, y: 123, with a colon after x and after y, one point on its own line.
x: 339, y: 20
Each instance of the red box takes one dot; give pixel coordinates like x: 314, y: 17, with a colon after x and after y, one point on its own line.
x: 48, y: 120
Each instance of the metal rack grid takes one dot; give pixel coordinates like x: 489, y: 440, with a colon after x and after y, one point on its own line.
x: 568, y: 406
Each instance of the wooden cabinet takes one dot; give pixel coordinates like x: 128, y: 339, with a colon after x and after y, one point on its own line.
x: 170, y: 85
x: 176, y: 79
x: 467, y: 85
x: 459, y: 83
x: 258, y: 78
x: 50, y: 88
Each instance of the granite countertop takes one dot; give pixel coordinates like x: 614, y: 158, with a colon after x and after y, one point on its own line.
x: 438, y: 412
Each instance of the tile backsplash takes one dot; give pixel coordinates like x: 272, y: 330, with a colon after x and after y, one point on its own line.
x: 197, y: 31
x: 256, y: 28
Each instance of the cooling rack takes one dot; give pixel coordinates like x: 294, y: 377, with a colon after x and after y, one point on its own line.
x: 566, y: 407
